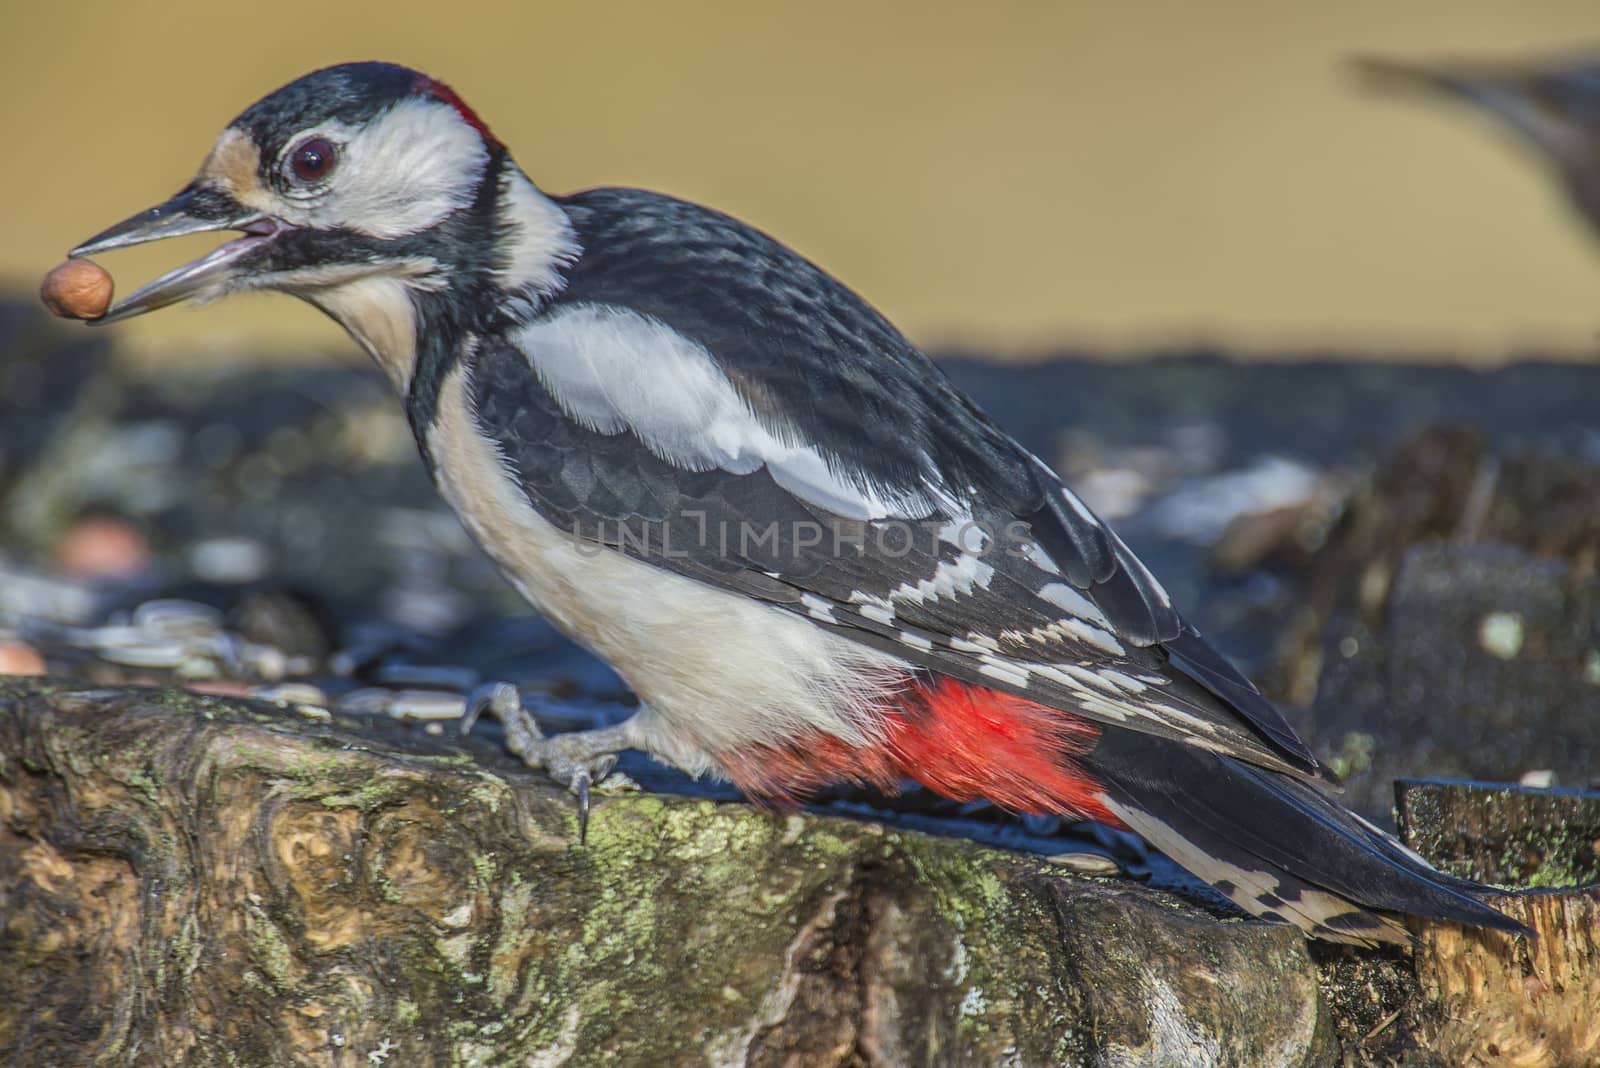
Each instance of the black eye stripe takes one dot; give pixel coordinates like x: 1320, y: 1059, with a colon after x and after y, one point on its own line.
x: 312, y: 159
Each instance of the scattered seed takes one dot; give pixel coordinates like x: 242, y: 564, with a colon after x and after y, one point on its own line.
x: 155, y: 654
x: 291, y: 693
x: 1085, y: 863
x: 173, y: 618
x: 427, y: 704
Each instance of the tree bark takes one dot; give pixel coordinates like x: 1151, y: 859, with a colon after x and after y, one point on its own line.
x: 191, y: 880
x: 1492, y: 999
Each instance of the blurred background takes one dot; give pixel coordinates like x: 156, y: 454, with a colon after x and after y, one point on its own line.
x: 1006, y: 176
x: 1325, y: 354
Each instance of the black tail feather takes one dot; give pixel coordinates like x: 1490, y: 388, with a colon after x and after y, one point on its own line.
x: 1276, y: 846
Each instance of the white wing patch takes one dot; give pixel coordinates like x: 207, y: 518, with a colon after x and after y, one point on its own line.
x: 614, y: 370
x: 1103, y: 640
x: 878, y: 613
x: 1007, y: 673
x: 818, y: 608
x: 951, y: 578
x: 1085, y: 676
x: 974, y: 642
x: 915, y: 641
x: 1126, y: 683
x: 1068, y: 597
x: 1069, y: 629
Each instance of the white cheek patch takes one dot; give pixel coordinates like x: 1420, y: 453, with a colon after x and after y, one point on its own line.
x: 407, y: 170
x: 614, y: 370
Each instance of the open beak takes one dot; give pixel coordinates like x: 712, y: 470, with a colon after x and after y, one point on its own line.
x: 192, y: 211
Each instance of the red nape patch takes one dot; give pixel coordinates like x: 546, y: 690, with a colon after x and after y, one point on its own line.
x: 446, y: 95
x: 965, y: 742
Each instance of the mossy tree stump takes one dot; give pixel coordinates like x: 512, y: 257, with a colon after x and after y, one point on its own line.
x: 190, y: 880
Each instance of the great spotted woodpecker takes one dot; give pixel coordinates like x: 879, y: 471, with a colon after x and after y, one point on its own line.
x: 812, y: 558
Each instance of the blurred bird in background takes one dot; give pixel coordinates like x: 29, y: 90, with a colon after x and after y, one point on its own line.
x: 1553, y: 106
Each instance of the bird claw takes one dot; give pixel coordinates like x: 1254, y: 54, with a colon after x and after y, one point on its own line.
x: 499, y: 699
x: 502, y: 701
x: 577, y: 761
x: 580, y: 787
x: 577, y: 773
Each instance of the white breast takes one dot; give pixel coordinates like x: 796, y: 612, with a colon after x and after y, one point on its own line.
x: 716, y: 670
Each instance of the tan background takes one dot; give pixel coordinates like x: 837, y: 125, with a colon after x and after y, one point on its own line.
x: 1009, y: 174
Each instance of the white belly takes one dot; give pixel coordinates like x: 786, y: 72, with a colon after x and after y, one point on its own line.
x: 715, y: 670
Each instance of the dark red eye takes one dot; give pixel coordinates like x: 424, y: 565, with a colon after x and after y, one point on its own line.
x: 312, y: 159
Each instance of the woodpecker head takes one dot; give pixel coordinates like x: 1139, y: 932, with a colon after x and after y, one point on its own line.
x: 370, y: 190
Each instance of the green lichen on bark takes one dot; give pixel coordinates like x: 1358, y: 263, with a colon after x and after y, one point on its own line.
x: 1504, y: 835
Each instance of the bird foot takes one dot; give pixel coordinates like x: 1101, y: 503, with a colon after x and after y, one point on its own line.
x: 577, y: 760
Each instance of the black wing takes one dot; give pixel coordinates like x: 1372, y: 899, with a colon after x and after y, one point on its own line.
x: 1005, y: 579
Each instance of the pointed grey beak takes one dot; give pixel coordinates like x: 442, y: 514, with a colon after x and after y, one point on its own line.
x: 192, y: 211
